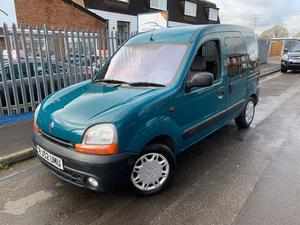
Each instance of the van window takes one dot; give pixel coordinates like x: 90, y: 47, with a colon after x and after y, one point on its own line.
x: 236, y: 57
x: 208, y: 59
x: 252, y: 50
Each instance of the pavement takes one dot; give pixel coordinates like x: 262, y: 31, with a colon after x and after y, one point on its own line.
x: 238, y: 177
x: 15, y: 138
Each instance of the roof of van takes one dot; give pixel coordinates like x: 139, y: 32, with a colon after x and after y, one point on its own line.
x: 185, y: 33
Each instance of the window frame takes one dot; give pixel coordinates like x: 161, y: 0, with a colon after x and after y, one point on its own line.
x: 191, y: 4
x: 237, y: 55
x: 220, y: 69
x: 158, y: 8
x: 250, y: 69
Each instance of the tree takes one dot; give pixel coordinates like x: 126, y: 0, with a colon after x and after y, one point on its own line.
x: 275, y: 32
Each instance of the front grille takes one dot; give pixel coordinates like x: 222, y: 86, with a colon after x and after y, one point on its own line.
x: 295, y: 57
x: 57, y: 140
x: 67, y: 174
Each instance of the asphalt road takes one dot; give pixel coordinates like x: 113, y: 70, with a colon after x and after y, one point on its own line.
x: 232, y: 177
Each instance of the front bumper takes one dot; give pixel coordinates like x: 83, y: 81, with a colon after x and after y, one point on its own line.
x: 288, y: 65
x: 111, y: 172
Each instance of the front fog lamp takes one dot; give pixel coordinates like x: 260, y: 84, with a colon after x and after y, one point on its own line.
x: 102, y: 134
x: 92, y: 182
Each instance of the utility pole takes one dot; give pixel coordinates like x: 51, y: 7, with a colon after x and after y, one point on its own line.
x: 255, y: 21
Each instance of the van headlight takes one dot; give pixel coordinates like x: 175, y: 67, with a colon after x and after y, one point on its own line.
x: 285, y: 57
x: 103, y: 134
x: 100, y: 139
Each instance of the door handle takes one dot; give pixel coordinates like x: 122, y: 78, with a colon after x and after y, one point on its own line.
x: 221, y: 90
x: 230, y: 87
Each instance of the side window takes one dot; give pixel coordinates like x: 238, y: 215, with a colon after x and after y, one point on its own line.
x: 252, y: 50
x: 236, y: 57
x: 208, y: 59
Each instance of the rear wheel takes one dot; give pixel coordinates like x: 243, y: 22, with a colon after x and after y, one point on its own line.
x: 245, y: 119
x: 153, y: 170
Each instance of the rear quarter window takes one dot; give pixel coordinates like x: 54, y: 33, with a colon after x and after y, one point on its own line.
x: 236, y: 56
x: 252, y: 50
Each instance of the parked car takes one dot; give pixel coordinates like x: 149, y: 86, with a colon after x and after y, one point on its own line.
x: 57, y: 77
x: 291, y: 58
x: 162, y: 92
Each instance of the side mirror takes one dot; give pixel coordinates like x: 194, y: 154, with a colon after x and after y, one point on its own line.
x: 285, y: 51
x: 201, y: 79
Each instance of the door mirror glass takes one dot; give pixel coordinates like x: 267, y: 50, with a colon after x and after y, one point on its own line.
x: 200, y: 80
x: 285, y: 51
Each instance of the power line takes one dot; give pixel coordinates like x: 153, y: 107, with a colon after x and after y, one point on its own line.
x: 3, y: 12
x: 290, y: 13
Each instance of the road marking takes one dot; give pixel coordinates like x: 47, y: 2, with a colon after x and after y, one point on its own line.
x: 20, y: 206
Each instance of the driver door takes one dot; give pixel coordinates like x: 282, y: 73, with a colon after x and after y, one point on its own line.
x: 199, y: 110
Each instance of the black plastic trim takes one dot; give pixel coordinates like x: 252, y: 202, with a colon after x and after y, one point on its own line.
x: 208, y: 122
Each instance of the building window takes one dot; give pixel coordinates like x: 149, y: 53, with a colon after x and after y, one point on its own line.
x: 213, y: 14
x: 158, y: 4
x: 190, y: 9
x: 123, y: 30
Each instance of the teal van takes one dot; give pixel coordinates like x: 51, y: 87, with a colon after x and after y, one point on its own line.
x: 160, y: 93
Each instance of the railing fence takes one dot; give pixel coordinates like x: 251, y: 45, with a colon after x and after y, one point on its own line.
x: 36, y: 62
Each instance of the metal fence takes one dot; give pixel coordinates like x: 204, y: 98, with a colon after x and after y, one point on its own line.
x: 263, y: 47
x: 36, y: 62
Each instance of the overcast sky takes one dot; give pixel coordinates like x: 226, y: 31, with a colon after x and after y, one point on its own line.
x: 243, y: 12
x: 266, y: 12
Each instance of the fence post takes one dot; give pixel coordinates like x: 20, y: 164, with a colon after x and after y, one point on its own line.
x: 42, y: 62
x: 36, y: 74
x: 27, y: 66
x: 11, y: 68
x: 5, y: 86
x: 62, y: 56
x: 56, y: 59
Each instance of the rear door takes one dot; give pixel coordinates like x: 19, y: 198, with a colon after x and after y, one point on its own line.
x: 236, y: 67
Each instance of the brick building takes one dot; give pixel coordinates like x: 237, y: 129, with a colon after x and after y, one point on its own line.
x: 56, y: 14
x: 122, y: 15
x: 2, y: 43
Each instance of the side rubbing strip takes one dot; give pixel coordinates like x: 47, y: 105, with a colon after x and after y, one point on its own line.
x: 210, y: 121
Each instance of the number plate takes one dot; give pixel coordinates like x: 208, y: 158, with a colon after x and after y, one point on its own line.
x: 52, y: 159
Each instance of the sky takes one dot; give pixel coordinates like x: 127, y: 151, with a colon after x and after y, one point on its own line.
x: 9, y: 8
x: 266, y: 13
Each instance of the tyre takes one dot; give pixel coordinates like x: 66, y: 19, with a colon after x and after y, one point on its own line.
x: 153, y: 170
x: 283, y: 70
x: 245, y: 119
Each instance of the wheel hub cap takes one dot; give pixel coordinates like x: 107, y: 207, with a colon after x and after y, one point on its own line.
x: 150, y: 171
x: 249, y: 113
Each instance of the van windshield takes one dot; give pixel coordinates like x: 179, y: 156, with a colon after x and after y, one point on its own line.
x: 150, y: 63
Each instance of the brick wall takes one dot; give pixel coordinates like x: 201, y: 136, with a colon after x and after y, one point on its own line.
x: 57, y: 14
x: 2, y: 43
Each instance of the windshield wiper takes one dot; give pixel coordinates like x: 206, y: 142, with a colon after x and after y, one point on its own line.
x: 146, y: 84
x: 111, y: 81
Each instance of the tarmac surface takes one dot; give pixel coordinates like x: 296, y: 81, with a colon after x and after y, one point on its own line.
x: 232, y: 177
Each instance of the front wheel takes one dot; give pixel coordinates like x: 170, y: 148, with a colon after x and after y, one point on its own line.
x: 153, y: 170
x: 245, y: 119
